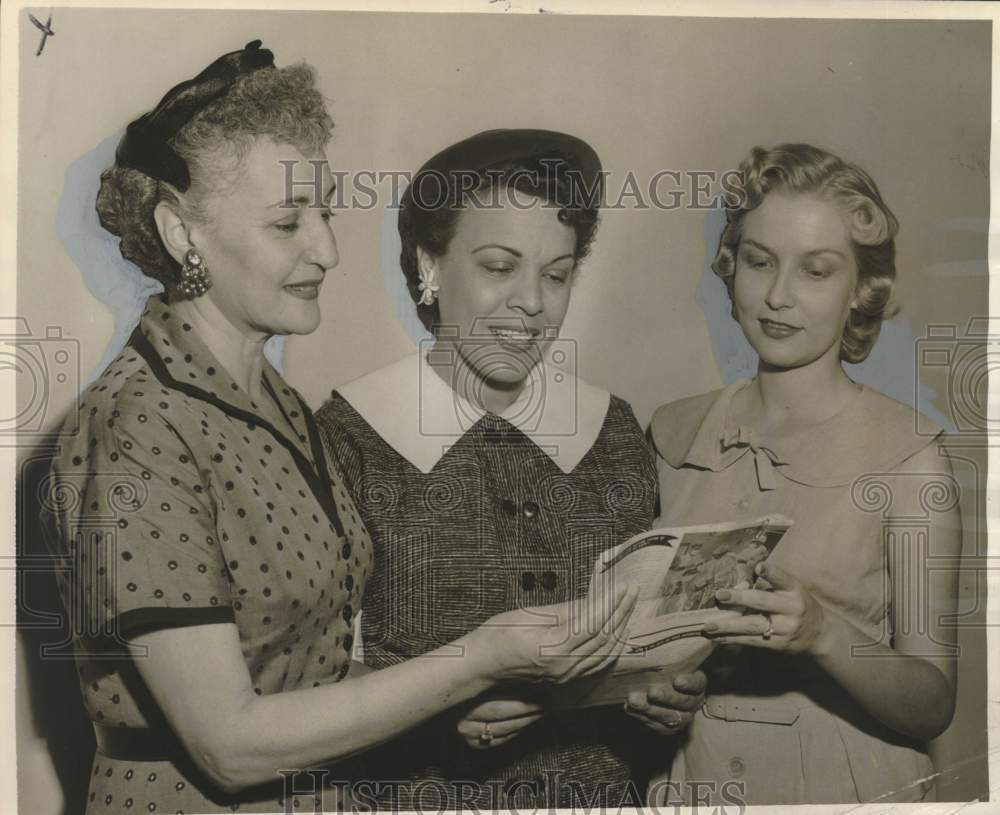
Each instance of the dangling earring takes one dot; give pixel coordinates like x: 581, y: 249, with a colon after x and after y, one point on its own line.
x: 194, y: 280
x: 428, y: 287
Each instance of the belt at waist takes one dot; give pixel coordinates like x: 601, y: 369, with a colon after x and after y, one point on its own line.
x: 137, y: 744
x: 741, y: 709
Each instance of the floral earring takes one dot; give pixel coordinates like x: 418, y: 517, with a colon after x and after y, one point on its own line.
x: 428, y: 286
x: 194, y: 280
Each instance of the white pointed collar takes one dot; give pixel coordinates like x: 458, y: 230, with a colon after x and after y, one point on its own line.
x: 417, y: 414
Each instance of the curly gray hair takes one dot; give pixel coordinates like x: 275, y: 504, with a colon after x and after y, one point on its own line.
x: 282, y: 103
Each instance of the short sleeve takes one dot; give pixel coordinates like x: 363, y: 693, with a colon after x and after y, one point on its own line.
x: 162, y: 567
x: 674, y: 427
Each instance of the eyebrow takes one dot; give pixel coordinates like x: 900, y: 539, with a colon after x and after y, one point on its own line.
x: 811, y: 253
x: 756, y: 245
x: 518, y: 254
x: 514, y: 252
x: 561, y: 257
x: 302, y: 200
x: 815, y: 252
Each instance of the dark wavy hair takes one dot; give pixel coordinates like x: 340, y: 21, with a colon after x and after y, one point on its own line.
x: 429, y: 221
x: 282, y: 103
x: 803, y: 168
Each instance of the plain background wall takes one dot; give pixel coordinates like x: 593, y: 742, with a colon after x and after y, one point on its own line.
x: 907, y: 100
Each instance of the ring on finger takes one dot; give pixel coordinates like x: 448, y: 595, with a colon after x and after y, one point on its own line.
x: 767, y: 632
x: 486, y: 737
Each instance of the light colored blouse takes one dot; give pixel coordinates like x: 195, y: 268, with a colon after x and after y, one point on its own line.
x: 775, y: 723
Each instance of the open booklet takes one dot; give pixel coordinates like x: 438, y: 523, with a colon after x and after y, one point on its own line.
x: 677, y: 572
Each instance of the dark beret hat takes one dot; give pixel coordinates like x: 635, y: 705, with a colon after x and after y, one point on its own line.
x: 493, y: 148
x: 145, y: 145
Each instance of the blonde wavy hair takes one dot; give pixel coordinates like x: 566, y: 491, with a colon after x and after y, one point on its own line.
x: 805, y: 169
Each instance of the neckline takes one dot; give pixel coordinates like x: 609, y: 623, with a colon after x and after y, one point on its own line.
x: 420, y: 416
x: 314, y: 471
x: 873, y: 434
x: 731, y: 427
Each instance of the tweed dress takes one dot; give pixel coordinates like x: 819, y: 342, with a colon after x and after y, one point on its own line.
x: 472, y: 514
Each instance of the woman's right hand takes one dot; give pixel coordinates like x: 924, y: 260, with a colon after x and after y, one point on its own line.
x: 555, y: 643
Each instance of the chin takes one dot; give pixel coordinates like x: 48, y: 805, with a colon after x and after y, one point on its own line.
x: 501, y: 371
x: 300, y: 323
x: 503, y: 366
x: 784, y: 357
x: 503, y: 378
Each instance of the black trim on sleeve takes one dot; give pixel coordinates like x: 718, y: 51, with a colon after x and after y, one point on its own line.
x: 137, y: 621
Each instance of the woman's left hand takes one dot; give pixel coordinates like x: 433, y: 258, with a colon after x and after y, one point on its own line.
x: 668, y: 708
x: 789, y: 618
x: 497, y: 721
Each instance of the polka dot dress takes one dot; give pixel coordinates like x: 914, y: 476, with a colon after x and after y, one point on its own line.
x: 177, y: 504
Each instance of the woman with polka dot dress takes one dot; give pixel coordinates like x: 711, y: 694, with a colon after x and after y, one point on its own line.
x: 213, y: 563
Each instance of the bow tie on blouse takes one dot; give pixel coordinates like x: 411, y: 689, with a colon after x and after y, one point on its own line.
x: 765, y: 459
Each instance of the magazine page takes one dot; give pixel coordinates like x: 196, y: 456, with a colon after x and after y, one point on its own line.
x: 677, y: 572
x: 706, y: 559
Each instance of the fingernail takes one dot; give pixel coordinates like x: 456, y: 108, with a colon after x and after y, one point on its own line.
x: 709, y: 628
x: 761, y: 570
x: 724, y: 595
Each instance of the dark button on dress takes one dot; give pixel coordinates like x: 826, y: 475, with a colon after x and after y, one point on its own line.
x: 494, y: 524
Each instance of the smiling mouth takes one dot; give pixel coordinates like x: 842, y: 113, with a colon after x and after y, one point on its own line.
x: 515, y: 337
x: 776, y: 329
x: 308, y: 290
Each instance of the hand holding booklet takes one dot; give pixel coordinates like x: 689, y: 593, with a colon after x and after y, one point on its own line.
x: 677, y: 572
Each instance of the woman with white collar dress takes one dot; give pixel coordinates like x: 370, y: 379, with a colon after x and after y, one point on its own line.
x: 828, y: 688
x: 490, y: 478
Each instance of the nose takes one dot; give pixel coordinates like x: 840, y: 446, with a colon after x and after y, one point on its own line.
x: 527, y: 294
x: 322, y: 250
x: 779, y: 294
